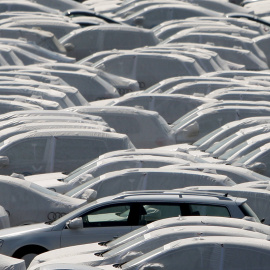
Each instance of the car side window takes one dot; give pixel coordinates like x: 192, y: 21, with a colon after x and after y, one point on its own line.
x: 155, y: 212
x: 205, y: 210
x: 113, y: 215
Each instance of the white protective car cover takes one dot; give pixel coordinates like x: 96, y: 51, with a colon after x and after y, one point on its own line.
x: 180, y: 222
x: 122, y: 84
x: 208, y: 60
x: 147, y: 179
x: 62, y: 183
x: 47, y: 94
x: 147, y: 243
x: 52, y: 119
x: 90, y: 85
x: 167, y: 29
x: 57, y: 27
x: 237, y: 174
x: 7, y: 106
x: 146, y: 129
x: 22, y: 128
x: 43, y: 104
x: 61, y: 5
x: 210, y: 252
x: 77, y: 144
x: 152, y: 16
x: 231, y: 128
x: 4, y: 218
x: 62, y: 113
x: 170, y: 107
x: 42, y: 38
x: 246, y: 223
x: 9, y: 263
x: 217, y: 39
x: 37, y: 50
x: 139, y: 66
x: 29, y: 203
x: 86, y: 41
x: 257, y: 199
x: 18, y: 5
x: 191, y: 130
x: 256, y: 184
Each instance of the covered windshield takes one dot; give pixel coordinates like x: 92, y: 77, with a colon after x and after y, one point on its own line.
x: 73, y: 213
x: 217, y: 145
x: 127, y: 236
x: 81, y: 187
x: 81, y: 170
x: 207, y: 137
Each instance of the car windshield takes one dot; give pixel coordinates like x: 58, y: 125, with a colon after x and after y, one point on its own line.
x: 151, y: 88
x: 245, y: 158
x: 72, y: 214
x: 248, y: 211
x: 127, y: 236
x: 81, y: 170
x: 124, y: 246
x: 220, y: 144
x: 143, y: 257
x: 232, y: 151
x: 207, y: 137
x: 178, y: 124
x: 81, y: 187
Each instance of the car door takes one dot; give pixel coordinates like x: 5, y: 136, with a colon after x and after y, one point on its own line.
x: 101, y: 224
x: 28, y: 156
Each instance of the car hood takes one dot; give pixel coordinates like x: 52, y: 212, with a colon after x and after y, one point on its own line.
x: 24, y: 229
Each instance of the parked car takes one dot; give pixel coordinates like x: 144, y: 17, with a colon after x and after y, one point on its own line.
x: 86, y: 41
x: 170, y: 107
x: 237, y: 174
x: 28, y: 203
x: 146, y: 129
x: 148, y: 242
x: 251, y: 253
x: 256, y: 198
x: 180, y: 222
x: 53, y: 150
x: 145, y: 179
x: 139, y: 66
x: 62, y: 183
x: 196, y: 126
x: 111, y: 216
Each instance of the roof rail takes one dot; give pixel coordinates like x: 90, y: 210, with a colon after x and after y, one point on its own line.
x: 218, y: 195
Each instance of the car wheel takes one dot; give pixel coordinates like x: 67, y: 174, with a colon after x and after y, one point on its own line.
x: 28, y: 253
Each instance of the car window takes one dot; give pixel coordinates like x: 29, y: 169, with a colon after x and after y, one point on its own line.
x: 205, y: 210
x: 113, y: 215
x: 73, y: 148
x: 31, y: 150
x: 129, y: 214
x: 159, y: 211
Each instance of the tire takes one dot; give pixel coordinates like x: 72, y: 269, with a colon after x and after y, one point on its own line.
x: 28, y: 253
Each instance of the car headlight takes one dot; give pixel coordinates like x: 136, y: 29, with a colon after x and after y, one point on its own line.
x: 1, y: 243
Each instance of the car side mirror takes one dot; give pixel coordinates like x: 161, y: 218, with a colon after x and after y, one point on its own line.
x: 258, y: 167
x: 75, y: 224
x: 89, y: 195
x: 69, y: 47
x: 138, y: 21
x: 4, y: 161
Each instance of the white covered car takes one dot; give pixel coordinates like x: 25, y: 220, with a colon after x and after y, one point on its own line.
x: 50, y: 150
x: 28, y: 203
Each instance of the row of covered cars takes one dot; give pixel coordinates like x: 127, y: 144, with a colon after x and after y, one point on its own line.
x: 137, y: 117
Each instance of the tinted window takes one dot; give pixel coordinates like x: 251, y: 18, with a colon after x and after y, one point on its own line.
x: 205, y: 210
x: 114, y: 215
